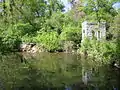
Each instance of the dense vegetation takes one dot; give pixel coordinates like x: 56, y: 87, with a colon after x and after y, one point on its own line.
x: 45, y: 23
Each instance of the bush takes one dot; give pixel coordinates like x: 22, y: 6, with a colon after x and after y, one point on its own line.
x: 71, y: 33
x: 10, y: 40
x: 49, y: 39
x: 24, y: 29
x: 115, y: 30
x: 99, y: 50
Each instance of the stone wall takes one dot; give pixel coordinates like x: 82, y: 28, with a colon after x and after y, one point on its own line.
x: 93, y: 29
x: 32, y: 48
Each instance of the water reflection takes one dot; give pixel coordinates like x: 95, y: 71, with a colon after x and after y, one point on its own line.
x: 55, y: 71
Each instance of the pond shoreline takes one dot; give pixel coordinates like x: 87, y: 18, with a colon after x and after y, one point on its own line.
x: 34, y: 48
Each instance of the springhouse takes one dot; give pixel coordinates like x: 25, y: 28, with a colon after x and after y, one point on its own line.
x: 91, y: 30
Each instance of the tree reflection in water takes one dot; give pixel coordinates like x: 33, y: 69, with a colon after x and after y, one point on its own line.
x: 56, y: 71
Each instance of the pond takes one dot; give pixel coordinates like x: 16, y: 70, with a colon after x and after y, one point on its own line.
x: 55, y: 71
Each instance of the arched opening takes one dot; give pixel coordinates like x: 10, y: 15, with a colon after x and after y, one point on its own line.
x: 93, y: 34
x: 98, y: 34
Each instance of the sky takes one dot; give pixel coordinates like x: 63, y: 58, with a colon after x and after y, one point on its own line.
x: 68, y: 6
x: 116, y: 5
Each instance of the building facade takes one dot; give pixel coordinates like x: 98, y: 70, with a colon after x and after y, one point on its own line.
x: 92, y: 30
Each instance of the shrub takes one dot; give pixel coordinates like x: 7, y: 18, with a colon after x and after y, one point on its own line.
x: 115, y: 30
x: 71, y: 33
x: 49, y: 39
x: 9, y: 40
x: 99, y: 50
x: 24, y: 29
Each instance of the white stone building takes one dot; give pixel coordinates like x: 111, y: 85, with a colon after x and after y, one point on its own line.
x: 93, y: 30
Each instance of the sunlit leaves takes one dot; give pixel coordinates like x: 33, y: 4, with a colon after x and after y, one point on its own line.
x: 101, y: 8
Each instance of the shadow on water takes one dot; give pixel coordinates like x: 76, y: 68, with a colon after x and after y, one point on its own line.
x: 55, y: 71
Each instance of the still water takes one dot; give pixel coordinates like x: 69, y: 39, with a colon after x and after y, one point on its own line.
x: 55, y: 71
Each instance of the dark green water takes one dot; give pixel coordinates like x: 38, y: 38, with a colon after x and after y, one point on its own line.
x: 55, y: 71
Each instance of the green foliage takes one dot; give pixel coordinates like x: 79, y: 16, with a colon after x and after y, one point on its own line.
x: 100, y: 10
x: 9, y: 40
x: 99, y: 50
x: 21, y: 20
x: 55, y: 23
x: 115, y: 30
x: 49, y: 39
x: 24, y: 29
x: 71, y: 33
x: 115, y: 27
x: 42, y: 21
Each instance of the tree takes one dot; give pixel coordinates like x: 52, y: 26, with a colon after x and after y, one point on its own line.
x: 24, y: 18
x: 33, y: 12
x: 77, y: 9
x: 115, y: 30
x: 99, y: 9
